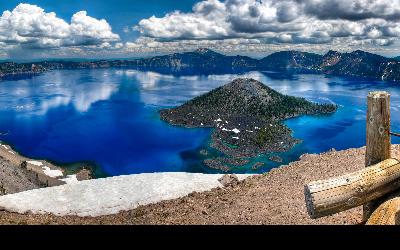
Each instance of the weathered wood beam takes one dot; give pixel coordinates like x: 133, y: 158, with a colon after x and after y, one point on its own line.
x: 388, y: 213
x: 326, y: 197
x: 378, y: 136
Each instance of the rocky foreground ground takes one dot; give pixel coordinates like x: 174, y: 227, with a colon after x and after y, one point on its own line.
x: 273, y: 198
x: 14, y: 179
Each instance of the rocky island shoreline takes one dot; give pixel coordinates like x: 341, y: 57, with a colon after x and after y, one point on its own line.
x: 246, y: 116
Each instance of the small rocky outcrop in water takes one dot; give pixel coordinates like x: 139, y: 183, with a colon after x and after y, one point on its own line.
x: 246, y: 116
x: 276, y: 158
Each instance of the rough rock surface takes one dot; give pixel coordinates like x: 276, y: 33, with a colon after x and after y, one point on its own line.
x: 14, y: 179
x: 84, y: 174
x: 229, y: 180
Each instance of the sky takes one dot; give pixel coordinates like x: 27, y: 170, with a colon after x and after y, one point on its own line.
x: 137, y: 28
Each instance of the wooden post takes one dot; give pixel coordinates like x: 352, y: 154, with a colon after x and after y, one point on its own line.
x: 378, y: 137
x: 326, y: 197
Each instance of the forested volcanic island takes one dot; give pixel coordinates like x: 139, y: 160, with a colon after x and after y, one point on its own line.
x: 247, y: 119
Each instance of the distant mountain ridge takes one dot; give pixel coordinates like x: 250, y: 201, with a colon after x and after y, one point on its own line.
x: 205, y: 61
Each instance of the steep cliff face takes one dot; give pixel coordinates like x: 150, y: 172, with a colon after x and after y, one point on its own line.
x: 204, y: 61
x: 14, y: 179
x: 201, y: 61
x: 291, y: 61
x: 357, y: 63
x: 330, y: 59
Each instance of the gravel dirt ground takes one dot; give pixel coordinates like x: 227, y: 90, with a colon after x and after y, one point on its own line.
x: 272, y: 198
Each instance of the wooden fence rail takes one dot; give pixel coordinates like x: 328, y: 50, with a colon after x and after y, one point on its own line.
x: 388, y: 213
x: 380, y: 177
x: 326, y: 197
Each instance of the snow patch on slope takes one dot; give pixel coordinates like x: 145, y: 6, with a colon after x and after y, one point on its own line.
x: 109, y: 195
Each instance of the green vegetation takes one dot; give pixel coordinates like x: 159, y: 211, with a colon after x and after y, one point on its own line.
x: 248, y: 97
x: 230, y: 145
x: 268, y: 134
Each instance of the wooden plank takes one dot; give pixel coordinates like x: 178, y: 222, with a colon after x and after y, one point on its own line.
x: 378, y: 135
x: 388, y: 213
x: 326, y: 197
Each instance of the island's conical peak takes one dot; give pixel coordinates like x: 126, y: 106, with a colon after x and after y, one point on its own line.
x: 250, y: 88
x: 245, y: 97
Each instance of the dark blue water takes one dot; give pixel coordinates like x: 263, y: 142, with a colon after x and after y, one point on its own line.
x: 109, y: 117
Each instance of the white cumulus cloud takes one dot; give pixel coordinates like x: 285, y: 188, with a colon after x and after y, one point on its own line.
x: 281, y: 21
x: 29, y: 26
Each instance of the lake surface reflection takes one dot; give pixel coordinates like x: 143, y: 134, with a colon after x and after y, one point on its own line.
x: 110, y: 117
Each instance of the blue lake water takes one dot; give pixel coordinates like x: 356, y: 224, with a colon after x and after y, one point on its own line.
x: 109, y: 117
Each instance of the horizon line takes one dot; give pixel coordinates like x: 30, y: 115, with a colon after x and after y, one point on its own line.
x: 93, y: 59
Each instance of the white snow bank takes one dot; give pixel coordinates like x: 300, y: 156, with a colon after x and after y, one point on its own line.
x: 36, y: 163
x: 109, y: 195
x: 52, y: 173
x: 70, y: 179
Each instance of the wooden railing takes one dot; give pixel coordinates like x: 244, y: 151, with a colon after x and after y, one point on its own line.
x: 374, y: 186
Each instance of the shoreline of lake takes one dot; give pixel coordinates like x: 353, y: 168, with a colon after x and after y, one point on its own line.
x: 38, y: 173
